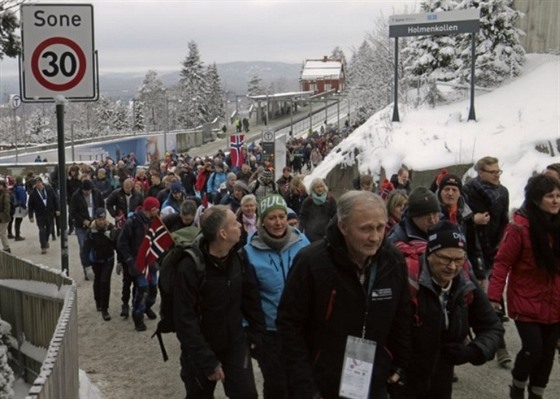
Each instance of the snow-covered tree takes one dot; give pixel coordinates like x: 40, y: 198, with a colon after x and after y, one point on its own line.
x: 6, y: 373
x: 38, y: 129
x: 499, y: 53
x: 216, y: 95
x: 152, y: 93
x: 138, y: 116
x: 120, y: 117
x: 370, y: 72
x: 194, y: 89
x: 255, y: 86
x: 104, y: 114
x: 10, y: 43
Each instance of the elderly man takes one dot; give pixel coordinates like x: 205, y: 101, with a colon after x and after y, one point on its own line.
x: 447, y: 303
x: 346, y: 305
x: 209, y: 316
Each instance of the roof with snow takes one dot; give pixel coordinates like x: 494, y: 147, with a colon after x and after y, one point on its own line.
x: 321, y: 69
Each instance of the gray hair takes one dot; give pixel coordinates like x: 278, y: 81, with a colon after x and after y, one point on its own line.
x: 213, y: 220
x: 247, y: 198
x: 353, y: 198
x: 315, y: 182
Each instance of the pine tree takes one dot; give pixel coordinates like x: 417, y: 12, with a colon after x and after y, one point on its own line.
x: 120, y: 118
x: 194, y: 89
x: 104, y: 113
x: 255, y: 86
x: 10, y: 43
x: 152, y: 93
x: 6, y: 373
x: 498, y: 49
x: 38, y: 129
x: 216, y: 95
x: 138, y: 116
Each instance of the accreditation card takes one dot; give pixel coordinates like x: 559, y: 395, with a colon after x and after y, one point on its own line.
x: 357, y: 368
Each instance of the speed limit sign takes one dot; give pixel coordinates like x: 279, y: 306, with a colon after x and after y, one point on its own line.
x: 58, y: 55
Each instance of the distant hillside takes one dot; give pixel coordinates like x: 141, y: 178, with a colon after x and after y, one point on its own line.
x: 234, y: 75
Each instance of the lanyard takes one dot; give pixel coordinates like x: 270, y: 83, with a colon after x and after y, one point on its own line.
x: 371, y: 282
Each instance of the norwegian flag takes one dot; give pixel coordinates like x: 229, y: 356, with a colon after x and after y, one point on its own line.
x: 236, y: 142
x: 156, y: 241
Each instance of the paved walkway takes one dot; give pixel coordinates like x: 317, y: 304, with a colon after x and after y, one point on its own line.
x: 126, y: 364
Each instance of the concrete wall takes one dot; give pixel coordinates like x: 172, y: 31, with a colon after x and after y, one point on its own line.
x: 540, y: 25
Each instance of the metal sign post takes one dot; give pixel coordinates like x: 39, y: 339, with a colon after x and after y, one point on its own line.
x: 435, y: 23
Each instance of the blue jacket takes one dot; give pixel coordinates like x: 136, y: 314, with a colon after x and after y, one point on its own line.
x: 271, y: 268
x: 21, y: 195
x: 214, y: 182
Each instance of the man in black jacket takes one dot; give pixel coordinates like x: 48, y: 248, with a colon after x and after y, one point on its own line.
x: 83, y: 204
x: 43, y: 205
x: 446, y: 302
x: 209, y: 308
x: 486, y: 195
x: 350, y: 286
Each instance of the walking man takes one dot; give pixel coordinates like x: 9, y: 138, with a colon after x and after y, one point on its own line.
x: 43, y: 205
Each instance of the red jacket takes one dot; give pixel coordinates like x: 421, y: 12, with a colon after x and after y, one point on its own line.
x: 532, y: 294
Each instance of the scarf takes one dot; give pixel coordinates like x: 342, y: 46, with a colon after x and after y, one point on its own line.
x: 319, y: 199
x: 276, y: 243
x: 250, y: 224
x: 543, y: 232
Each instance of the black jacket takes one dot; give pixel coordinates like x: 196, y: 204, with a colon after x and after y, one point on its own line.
x: 323, y: 303
x: 116, y: 202
x: 78, y: 206
x: 131, y: 237
x: 479, y: 200
x: 429, y: 334
x: 313, y: 219
x: 36, y: 207
x: 209, y: 308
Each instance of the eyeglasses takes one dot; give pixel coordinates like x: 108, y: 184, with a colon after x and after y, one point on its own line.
x: 446, y: 260
x: 494, y: 172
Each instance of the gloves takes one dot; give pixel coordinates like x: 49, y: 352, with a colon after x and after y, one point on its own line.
x: 119, y: 268
x: 460, y: 354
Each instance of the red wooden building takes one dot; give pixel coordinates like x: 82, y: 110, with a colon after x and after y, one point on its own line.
x: 323, y: 75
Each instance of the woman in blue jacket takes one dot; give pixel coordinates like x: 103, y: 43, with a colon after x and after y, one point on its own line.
x: 271, y: 250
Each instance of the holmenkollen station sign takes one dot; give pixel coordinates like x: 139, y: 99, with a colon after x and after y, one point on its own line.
x: 437, y: 23
x: 434, y: 24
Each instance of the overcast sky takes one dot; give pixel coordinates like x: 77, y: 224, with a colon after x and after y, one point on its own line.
x: 135, y: 36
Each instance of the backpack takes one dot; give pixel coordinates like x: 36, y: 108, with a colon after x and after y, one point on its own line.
x: 413, y: 266
x: 186, y: 244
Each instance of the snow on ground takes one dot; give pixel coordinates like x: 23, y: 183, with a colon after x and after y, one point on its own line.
x: 511, y: 120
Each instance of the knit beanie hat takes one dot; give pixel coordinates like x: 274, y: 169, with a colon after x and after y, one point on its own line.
x: 422, y: 202
x: 445, y: 234
x: 176, y: 187
x: 450, y: 180
x: 151, y: 203
x: 270, y: 203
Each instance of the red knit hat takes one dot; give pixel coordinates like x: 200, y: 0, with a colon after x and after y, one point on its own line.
x: 151, y: 203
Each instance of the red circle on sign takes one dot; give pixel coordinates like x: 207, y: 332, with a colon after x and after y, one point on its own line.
x: 54, y: 86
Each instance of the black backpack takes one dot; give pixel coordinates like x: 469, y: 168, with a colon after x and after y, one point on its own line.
x: 168, y: 262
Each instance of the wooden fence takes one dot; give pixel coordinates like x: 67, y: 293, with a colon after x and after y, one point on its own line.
x: 41, y: 305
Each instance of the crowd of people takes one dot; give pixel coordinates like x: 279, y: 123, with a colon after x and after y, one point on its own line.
x: 399, y: 285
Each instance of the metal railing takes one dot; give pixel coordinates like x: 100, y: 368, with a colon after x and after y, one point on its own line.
x: 41, y: 305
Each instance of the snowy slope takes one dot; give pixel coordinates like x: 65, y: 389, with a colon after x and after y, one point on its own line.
x: 511, y: 120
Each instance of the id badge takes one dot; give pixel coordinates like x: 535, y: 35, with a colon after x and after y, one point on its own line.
x: 357, y: 369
